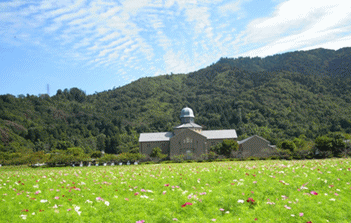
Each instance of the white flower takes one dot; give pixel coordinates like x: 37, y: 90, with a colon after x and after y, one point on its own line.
x: 76, y: 208
x: 23, y: 216
x: 88, y: 201
x: 292, y: 215
x: 36, y: 186
x: 33, y: 213
x: 55, y: 206
x: 144, y: 196
x: 240, y: 201
x: 115, y: 196
x: 332, y: 199
x: 107, y: 203
x: 227, y: 212
x: 43, y: 201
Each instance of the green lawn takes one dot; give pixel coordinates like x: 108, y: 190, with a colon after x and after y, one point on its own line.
x: 277, y: 191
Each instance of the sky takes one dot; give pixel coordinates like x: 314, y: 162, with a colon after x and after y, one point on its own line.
x: 100, y: 45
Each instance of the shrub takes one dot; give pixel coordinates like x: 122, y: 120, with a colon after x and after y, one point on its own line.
x: 157, y: 153
x: 96, y: 154
x: 75, y: 151
x: 178, y: 159
x: 108, y: 158
x: 132, y: 157
x: 252, y: 158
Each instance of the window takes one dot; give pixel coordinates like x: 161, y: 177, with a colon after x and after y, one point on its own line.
x: 188, y: 140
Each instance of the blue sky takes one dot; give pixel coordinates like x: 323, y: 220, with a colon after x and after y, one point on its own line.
x: 98, y: 45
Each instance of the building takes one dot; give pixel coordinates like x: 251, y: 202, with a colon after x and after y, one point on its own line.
x: 186, y: 138
x: 255, y: 146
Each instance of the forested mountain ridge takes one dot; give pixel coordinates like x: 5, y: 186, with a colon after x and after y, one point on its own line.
x: 277, y: 97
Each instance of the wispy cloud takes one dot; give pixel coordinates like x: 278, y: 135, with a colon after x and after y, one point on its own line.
x: 297, y: 24
x: 144, y: 37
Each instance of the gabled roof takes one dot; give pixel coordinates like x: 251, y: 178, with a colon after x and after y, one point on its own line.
x: 158, y: 136
x: 244, y: 140
x: 188, y: 125
x: 219, y: 134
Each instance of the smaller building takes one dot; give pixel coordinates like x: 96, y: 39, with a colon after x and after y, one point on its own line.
x: 255, y: 146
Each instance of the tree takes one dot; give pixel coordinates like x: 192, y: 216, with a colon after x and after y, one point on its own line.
x: 101, y: 145
x: 324, y: 143
x: 75, y: 151
x: 289, y: 145
x: 157, y: 153
x: 226, y: 147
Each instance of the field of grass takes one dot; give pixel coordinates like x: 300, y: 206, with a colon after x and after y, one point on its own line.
x: 254, y: 191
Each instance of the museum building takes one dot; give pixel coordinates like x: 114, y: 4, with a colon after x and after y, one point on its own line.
x: 186, y: 138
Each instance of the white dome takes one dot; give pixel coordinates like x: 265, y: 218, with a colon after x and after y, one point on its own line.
x: 187, y: 113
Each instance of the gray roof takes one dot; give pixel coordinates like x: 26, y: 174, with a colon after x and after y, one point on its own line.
x: 157, y: 136
x: 188, y: 125
x: 219, y: 134
x: 244, y: 140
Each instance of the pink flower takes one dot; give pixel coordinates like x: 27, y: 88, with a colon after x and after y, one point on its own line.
x: 164, y: 192
x: 126, y: 199
x: 221, y: 209
x: 256, y: 219
x: 142, y: 190
x: 137, y: 193
x: 166, y: 185
x: 250, y: 200
x: 187, y: 203
x: 141, y: 221
x: 314, y: 193
x: 69, y: 209
x: 175, y: 219
x: 255, y: 182
x: 301, y: 214
x: 287, y: 207
x: 213, y: 219
x: 57, y: 198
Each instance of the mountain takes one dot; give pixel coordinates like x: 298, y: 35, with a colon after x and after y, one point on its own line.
x: 278, y: 97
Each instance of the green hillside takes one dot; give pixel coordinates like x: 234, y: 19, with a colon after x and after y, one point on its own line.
x: 278, y: 97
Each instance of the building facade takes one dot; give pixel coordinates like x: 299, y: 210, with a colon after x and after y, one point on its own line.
x: 255, y: 146
x: 186, y: 138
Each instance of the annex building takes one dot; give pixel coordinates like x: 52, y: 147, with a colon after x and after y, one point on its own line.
x: 186, y: 138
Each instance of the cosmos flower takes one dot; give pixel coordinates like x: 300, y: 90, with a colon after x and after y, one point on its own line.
x: 187, y: 203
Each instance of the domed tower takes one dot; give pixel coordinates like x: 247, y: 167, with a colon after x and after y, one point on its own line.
x: 187, y: 115
x: 187, y: 121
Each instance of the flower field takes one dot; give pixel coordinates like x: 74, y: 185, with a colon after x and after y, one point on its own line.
x: 254, y: 191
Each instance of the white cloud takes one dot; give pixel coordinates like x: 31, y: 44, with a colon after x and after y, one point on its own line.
x: 230, y: 7
x: 296, y: 24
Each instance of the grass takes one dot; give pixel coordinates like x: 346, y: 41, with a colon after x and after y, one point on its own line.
x: 318, y: 190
